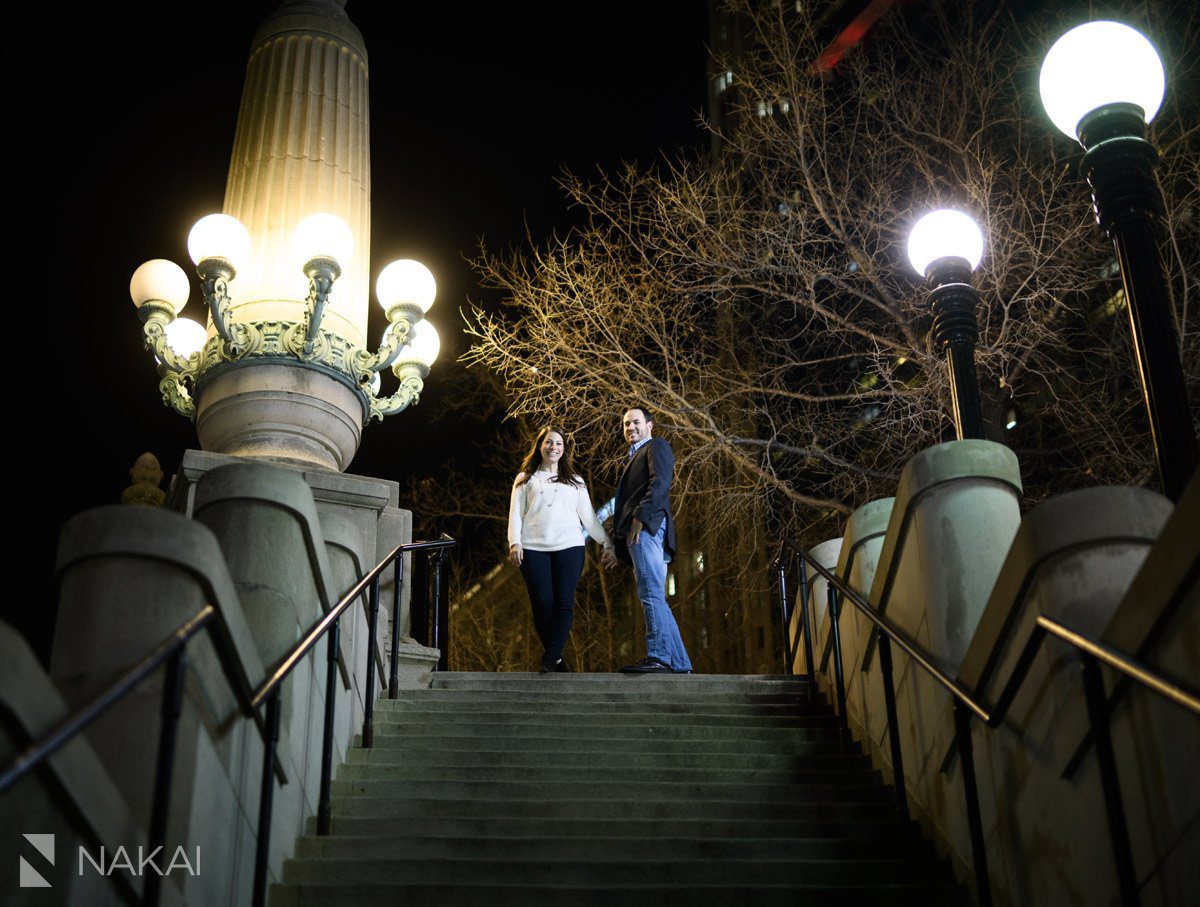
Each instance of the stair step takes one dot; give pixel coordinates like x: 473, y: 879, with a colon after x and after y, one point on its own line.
x: 814, y: 742
x: 437, y: 757
x: 574, y: 705
x: 604, y: 683
x: 462, y: 894
x: 630, y: 719
x: 620, y: 791
x: 511, y: 846
x: 586, y: 808
x: 855, y: 828
x: 611, y: 731
x: 580, y: 696
x: 651, y: 772
x: 598, y: 870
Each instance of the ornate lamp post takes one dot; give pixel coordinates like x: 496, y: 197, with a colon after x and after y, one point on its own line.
x: 1101, y: 83
x: 944, y: 247
x: 217, y: 245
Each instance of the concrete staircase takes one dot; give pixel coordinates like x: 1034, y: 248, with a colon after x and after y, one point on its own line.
x: 602, y: 789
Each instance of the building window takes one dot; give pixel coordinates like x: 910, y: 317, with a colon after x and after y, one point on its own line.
x: 670, y: 584
x: 699, y: 561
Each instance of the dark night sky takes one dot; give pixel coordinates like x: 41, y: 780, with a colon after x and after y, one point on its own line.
x: 474, y: 111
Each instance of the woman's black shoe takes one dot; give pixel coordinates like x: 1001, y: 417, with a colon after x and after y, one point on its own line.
x: 552, y: 667
x: 561, y: 667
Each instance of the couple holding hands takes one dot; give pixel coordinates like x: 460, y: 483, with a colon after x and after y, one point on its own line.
x: 551, y: 510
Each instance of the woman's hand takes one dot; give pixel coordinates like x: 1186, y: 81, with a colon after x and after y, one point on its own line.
x: 608, y: 558
x: 516, y: 554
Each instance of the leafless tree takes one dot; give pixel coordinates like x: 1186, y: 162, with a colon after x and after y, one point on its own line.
x: 762, y: 302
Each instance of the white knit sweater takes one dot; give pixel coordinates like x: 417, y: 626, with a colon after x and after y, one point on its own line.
x: 549, y: 516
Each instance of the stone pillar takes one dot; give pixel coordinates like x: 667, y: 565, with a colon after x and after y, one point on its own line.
x: 302, y: 147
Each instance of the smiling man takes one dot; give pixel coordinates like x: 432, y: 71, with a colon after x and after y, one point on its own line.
x: 644, y: 531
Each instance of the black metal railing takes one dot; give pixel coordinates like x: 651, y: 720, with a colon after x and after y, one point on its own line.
x: 173, y: 653
x: 430, y: 607
x: 966, y: 706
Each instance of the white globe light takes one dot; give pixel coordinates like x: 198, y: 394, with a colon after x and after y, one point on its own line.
x: 162, y: 280
x: 406, y: 280
x: 943, y: 233
x: 323, y: 236
x: 1096, y: 64
x: 424, y: 344
x: 185, y: 336
x: 219, y: 236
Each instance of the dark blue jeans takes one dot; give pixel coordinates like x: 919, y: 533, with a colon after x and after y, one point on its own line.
x: 551, y: 578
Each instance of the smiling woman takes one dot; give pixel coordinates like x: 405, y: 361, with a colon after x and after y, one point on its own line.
x: 550, y: 514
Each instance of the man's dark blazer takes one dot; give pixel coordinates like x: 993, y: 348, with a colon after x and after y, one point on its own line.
x: 643, y: 492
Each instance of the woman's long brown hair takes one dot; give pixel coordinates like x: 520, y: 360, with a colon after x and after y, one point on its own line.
x: 533, y: 459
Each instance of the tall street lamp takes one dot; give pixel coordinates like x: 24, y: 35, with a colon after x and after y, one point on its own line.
x: 1102, y: 83
x: 944, y: 247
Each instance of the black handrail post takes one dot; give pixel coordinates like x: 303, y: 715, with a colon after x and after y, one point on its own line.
x: 966, y: 755
x: 781, y: 588
x: 839, y: 678
x: 441, y: 619
x: 324, y: 810
x: 172, y: 708
x: 368, y: 731
x: 418, y: 599
x: 889, y: 699
x: 808, y: 646
x: 1118, y: 829
x: 398, y: 582
x: 262, y: 849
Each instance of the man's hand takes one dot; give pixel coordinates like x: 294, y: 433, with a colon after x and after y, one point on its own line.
x: 635, y: 531
x: 516, y: 554
x: 608, y: 558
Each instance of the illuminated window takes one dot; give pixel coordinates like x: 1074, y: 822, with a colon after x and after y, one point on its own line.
x: 670, y: 584
x: 699, y: 561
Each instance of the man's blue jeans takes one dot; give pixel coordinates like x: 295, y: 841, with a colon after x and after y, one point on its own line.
x: 662, y: 633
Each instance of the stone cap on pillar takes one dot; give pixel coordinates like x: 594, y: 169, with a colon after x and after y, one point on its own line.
x: 1063, y: 527
x: 933, y: 467
x: 144, y: 532
x: 867, y: 522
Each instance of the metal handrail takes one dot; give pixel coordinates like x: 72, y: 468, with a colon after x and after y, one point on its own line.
x: 173, y: 651
x: 1091, y: 653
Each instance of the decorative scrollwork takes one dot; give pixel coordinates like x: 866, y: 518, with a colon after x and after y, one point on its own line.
x: 176, y: 396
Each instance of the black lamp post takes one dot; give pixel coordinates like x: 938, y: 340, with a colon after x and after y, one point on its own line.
x: 944, y: 247
x: 1102, y: 83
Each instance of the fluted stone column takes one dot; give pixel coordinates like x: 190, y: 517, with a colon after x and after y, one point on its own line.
x: 302, y: 147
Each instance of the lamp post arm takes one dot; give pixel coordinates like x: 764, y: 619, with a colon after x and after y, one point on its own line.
x: 402, y: 317
x: 412, y: 381
x: 155, y: 317
x: 215, y: 274
x: 322, y: 273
